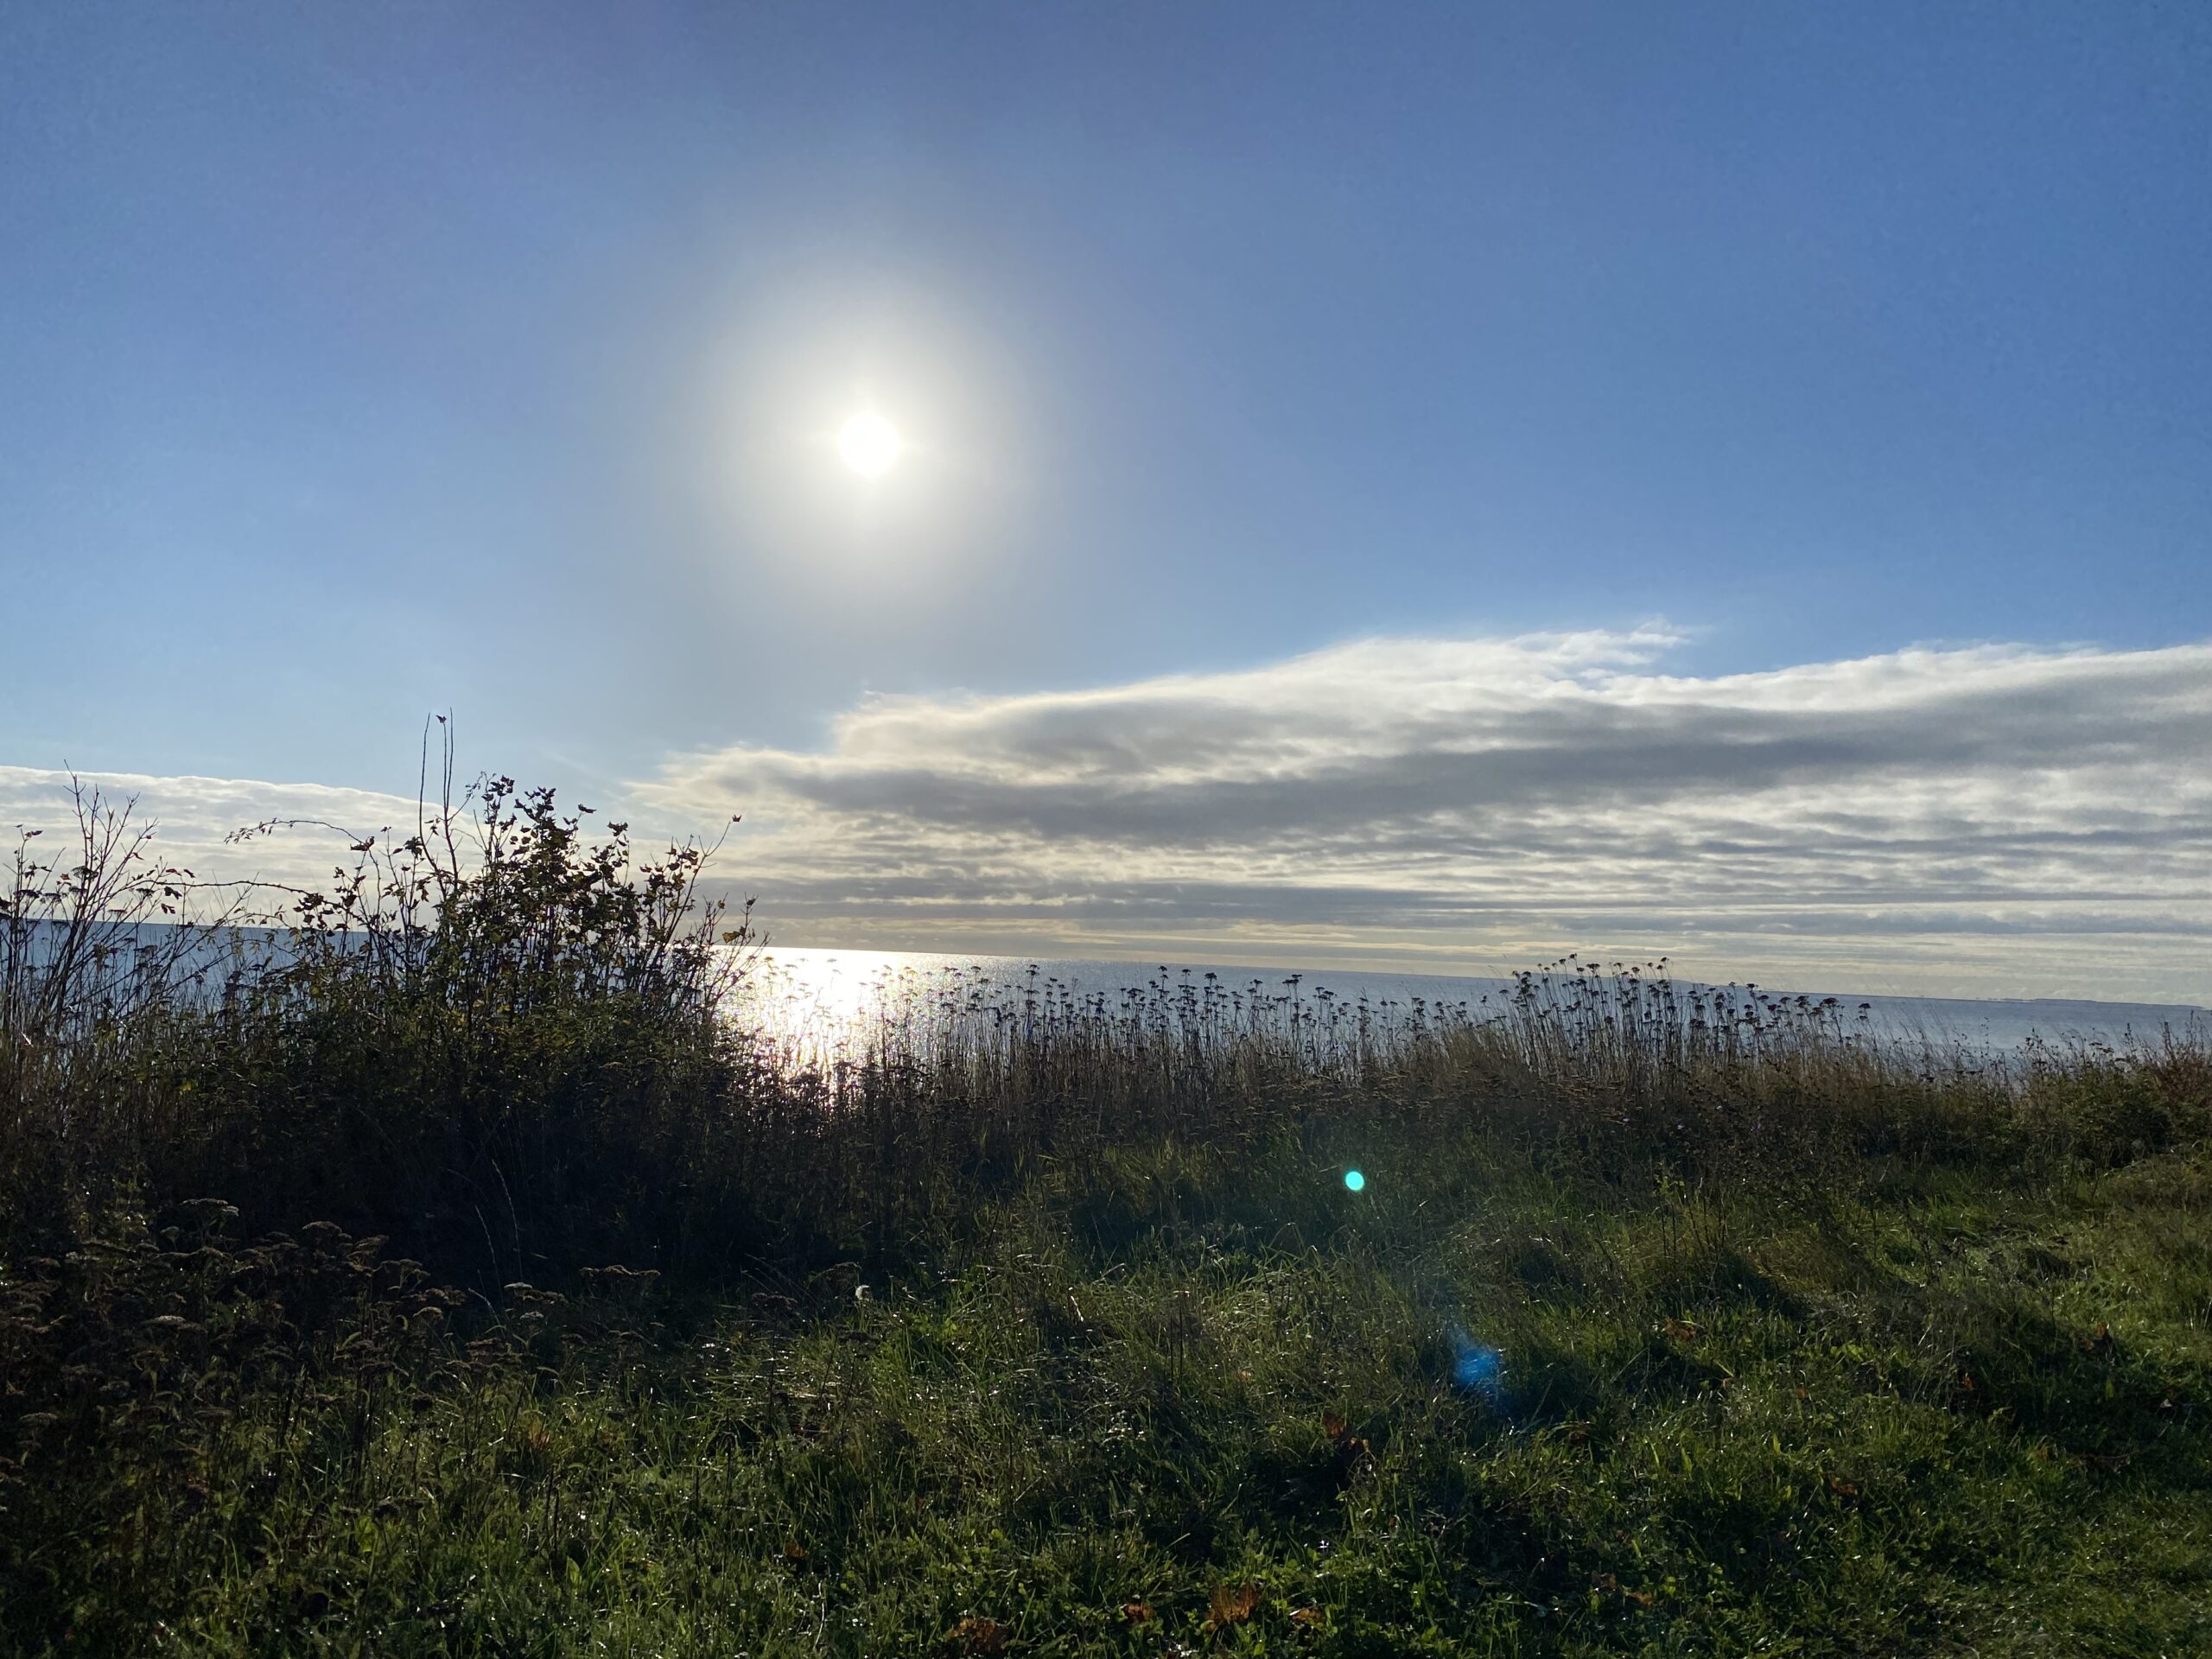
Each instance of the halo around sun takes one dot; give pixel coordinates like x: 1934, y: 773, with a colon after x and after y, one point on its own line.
x: 870, y: 444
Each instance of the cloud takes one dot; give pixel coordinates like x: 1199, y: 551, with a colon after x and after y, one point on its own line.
x: 193, y: 819
x: 1985, y: 820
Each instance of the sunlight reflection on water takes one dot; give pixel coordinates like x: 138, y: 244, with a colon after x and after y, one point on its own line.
x: 823, y: 1002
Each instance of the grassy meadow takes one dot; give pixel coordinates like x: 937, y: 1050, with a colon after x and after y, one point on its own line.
x: 465, y: 1280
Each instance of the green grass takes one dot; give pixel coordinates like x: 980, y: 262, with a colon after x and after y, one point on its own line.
x: 1057, y: 1332
x: 1934, y: 1416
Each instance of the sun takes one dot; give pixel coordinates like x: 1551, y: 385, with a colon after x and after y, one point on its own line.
x: 870, y: 444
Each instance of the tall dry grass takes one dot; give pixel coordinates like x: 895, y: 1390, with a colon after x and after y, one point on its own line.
x: 509, y: 1044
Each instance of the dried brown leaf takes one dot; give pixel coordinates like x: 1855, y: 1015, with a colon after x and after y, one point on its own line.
x: 975, y: 1635
x: 1228, y: 1604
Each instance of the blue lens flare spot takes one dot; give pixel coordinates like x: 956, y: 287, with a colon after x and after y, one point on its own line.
x: 1354, y: 1181
x: 1476, y: 1367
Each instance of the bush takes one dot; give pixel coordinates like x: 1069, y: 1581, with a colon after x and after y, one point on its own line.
x: 511, y: 1047
x: 1668, y: 1317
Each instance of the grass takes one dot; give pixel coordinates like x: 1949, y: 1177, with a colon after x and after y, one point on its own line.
x: 1041, y: 1327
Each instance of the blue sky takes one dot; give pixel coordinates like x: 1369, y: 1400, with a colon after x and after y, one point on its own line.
x: 359, y: 361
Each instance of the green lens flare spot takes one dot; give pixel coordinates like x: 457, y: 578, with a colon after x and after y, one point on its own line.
x: 1354, y: 1181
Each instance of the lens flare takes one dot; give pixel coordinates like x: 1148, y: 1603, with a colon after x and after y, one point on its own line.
x: 1475, y: 1366
x: 1354, y: 1181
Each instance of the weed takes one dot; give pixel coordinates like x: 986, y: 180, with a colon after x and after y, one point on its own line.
x: 453, y: 1271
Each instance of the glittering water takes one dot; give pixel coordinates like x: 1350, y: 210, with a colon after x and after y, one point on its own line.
x: 823, y: 1002
x: 828, y: 1000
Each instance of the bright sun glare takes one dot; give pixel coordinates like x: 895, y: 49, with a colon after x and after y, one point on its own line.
x: 870, y: 444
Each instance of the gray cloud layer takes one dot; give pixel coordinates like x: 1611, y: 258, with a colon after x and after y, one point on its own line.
x: 1986, y: 821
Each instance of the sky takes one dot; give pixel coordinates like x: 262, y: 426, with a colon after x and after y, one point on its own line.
x: 1416, y: 486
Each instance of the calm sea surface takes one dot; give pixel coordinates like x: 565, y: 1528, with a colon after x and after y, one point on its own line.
x: 824, y: 995
x: 821, y: 999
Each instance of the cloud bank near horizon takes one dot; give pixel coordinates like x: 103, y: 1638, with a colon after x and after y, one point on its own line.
x: 1983, y: 821
x: 198, y: 822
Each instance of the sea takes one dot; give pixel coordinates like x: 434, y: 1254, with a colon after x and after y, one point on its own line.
x: 824, y: 1000
x: 822, y: 996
